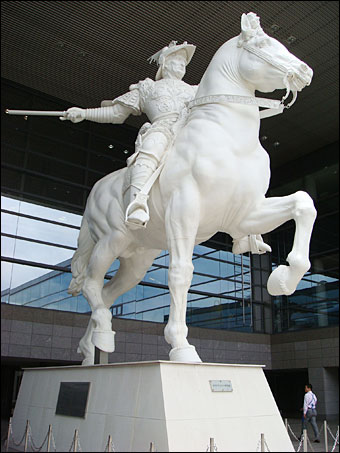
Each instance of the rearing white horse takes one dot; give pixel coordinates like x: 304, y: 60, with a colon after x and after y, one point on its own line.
x: 214, y: 179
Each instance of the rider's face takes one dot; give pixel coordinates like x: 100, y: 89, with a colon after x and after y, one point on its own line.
x: 174, y: 66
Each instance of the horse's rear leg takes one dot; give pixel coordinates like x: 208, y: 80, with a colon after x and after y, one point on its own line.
x: 130, y: 273
x: 272, y: 213
x: 107, y: 249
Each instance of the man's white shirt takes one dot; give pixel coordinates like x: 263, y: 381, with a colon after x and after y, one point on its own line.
x: 309, y: 401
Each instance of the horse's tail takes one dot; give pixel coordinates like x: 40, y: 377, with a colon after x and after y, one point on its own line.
x: 81, y: 258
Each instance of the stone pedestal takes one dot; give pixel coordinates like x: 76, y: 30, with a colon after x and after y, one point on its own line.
x: 178, y: 406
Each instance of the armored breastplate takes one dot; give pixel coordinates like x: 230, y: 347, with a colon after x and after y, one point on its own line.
x: 164, y: 98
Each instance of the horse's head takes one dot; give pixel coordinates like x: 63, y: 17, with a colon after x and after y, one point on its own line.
x: 266, y: 64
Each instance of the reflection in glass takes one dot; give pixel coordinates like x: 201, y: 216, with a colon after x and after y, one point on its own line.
x: 220, y: 296
x: 216, y: 299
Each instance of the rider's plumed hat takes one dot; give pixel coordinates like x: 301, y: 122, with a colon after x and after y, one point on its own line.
x: 173, y: 47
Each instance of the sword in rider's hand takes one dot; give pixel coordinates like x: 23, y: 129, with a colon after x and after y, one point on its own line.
x: 27, y: 113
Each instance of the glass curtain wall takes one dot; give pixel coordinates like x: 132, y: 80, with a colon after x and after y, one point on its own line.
x: 315, y: 303
x: 37, y: 239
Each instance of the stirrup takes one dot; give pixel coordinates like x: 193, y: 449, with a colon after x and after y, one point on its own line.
x: 139, y: 202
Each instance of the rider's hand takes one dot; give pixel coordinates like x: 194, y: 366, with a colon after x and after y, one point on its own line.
x: 74, y: 114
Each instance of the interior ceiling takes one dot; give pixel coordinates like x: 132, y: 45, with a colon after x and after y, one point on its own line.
x: 87, y: 51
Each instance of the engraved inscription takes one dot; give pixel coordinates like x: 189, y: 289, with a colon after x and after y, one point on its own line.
x: 221, y: 386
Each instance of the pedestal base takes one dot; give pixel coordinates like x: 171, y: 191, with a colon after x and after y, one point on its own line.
x: 175, y: 405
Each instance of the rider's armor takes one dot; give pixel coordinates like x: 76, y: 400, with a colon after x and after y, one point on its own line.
x: 163, y: 97
x: 163, y: 101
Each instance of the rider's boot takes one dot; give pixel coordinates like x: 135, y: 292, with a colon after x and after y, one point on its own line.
x: 137, y: 212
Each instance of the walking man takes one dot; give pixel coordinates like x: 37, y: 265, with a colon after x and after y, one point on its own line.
x: 309, y: 412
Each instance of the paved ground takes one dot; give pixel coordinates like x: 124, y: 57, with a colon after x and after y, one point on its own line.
x: 294, y: 426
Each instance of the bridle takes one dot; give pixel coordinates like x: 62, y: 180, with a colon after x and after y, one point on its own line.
x: 272, y: 107
x: 287, y: 72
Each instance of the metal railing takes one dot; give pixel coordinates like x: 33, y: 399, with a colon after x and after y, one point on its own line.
x: 28, y: 443
x: 305, y: 442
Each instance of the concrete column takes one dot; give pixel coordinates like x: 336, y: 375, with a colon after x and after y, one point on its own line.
x: 331, y: 375
x: 325, y: 383
x: 262, y: 314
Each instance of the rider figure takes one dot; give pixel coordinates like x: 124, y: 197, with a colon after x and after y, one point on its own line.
x: 163, y: 101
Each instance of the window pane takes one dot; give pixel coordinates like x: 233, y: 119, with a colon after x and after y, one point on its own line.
x: 49, y: 213
x: 47, y: 232
x: 41, y: 253
x: 45, y: 145
x: 35, y: 287
x: 12, y: 156
x: 10, y: 179
x: 55, y: 168
x: 43, y: 187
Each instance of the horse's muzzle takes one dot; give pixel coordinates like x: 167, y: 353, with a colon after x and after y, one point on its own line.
x: 302, y: 77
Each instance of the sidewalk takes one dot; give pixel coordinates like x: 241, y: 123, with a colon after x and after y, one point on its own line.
x: 295, y: 425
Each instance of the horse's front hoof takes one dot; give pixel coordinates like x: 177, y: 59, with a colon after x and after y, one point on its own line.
x: 278, y: 282
x: 104, y: 340
x: 186, y: 354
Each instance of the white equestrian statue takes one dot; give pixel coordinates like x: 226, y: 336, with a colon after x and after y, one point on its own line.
x: 215, y: 178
